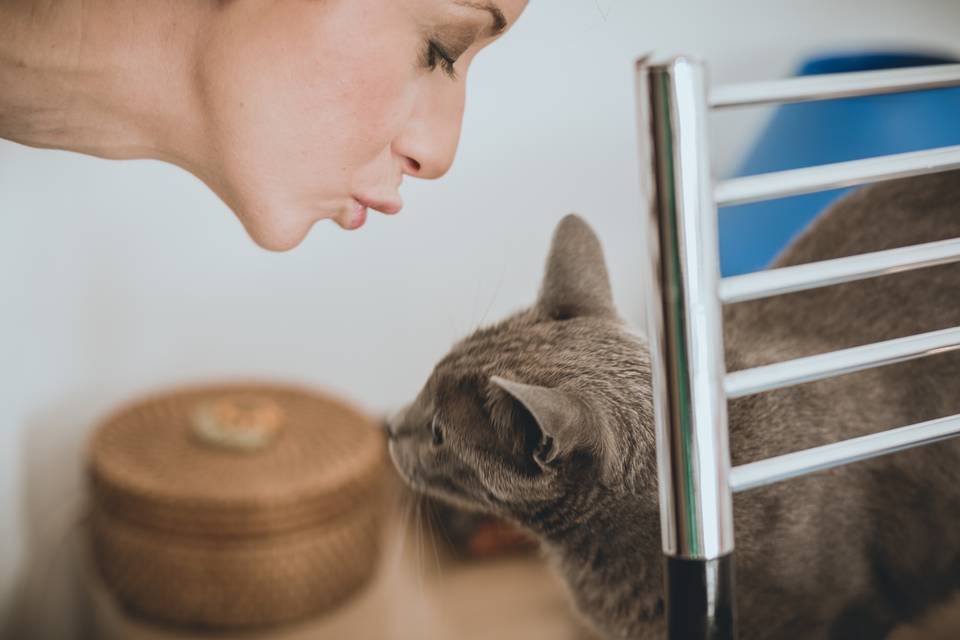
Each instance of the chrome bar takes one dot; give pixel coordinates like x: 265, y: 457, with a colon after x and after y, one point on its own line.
x: 780, y: 184
x: 838, y: 363
x: 836, y: 85
x: 791, y: 465
x: 684, y: 313
x: 774, y: 282
x: 686, y: 352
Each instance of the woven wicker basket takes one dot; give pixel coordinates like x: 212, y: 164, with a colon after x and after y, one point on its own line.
x: 239, y: 505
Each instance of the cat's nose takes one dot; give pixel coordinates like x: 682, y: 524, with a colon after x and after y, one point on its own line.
x: 392, y: 424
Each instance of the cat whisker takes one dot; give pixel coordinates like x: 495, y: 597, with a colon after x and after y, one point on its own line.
x: 403, y: 519
x: 419, y: 543
x: 493, y: 298
x: 434, y: 524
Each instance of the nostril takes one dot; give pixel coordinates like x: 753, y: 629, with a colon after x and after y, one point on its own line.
x: 413, y: 167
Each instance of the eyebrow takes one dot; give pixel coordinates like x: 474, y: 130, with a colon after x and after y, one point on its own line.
x: 499, y: 21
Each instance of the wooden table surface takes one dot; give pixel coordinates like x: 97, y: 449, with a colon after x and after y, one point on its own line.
x: 422, y: 593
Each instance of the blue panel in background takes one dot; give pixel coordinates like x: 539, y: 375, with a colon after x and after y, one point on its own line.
x: 805, y: 134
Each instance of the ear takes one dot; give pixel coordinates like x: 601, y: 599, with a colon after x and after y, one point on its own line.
x: 575, y: 283
x: 565, y: 423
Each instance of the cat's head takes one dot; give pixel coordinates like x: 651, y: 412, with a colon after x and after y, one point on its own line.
x: 551, y: 402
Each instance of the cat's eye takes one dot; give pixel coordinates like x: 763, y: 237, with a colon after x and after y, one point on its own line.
x: 436, y: 431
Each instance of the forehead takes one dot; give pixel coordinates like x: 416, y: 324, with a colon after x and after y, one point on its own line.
x: 454, y: 397
x: 521, y: 347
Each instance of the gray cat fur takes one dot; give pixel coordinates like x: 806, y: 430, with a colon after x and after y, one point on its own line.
x: 846, y: 553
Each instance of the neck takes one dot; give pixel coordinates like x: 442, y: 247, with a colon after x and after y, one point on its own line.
x: 108, y: 78
x: 609, y: 554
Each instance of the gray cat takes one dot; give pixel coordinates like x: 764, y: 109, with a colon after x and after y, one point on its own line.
x: 546, y: 419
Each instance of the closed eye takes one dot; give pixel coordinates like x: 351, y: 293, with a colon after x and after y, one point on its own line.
x: 438, y: 55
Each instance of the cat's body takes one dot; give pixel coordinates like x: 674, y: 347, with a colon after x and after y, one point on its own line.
x: 865, y: 545
x: 545, y: 418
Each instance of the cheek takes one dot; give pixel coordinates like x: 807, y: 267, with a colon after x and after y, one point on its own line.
x: 367, y: 106
x: 299, y: 108
x: 416, y: 461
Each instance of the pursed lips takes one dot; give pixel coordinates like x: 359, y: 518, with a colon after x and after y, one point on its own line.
x: 388, y: 206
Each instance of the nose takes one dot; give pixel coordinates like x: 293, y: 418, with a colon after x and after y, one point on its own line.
x: 392, y: 423
x: 428, y: 141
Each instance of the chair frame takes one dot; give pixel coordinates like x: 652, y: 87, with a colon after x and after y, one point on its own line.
x: 684, y: 295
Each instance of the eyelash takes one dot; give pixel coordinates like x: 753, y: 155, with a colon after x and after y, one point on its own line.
x: 435, y: 55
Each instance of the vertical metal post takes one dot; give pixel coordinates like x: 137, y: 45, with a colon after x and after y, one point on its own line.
x: 686, y: 349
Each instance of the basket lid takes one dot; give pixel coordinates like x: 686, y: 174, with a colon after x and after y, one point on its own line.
x: 237, y: 459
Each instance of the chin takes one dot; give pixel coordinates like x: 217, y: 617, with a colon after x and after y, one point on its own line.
x: 272, y: 224
x: 278, y: 244
x: 278, y: 231
x: 453, y: 499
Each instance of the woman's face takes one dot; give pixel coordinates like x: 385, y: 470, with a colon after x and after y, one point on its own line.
x: 318, y: 108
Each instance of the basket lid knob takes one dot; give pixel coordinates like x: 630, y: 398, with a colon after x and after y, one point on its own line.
x: 238, y: 421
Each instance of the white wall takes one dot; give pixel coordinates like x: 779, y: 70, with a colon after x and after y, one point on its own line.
x: 118, y: 278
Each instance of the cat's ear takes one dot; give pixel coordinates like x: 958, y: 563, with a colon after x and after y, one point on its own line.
x: 566, y: 425
x: 575, y: 283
